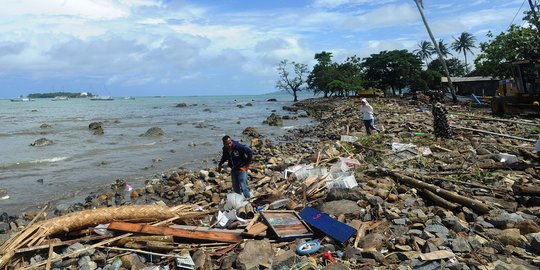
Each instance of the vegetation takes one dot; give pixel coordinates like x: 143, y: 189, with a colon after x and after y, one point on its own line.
x: 289, y: 82
x: 464, y: 43
x: 393, y: 71
x: 56, y: 94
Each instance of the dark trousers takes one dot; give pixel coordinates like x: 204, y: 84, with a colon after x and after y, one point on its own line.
x: 370, y: 125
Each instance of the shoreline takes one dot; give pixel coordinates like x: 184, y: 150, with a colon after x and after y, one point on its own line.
x: 382, y: 196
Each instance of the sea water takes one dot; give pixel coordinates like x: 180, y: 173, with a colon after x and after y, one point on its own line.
x: 79, y: 161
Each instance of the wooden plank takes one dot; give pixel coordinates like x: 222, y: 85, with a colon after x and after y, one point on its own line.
x: 286, y: 224
x: 256, y: 229
x: 183, y: 233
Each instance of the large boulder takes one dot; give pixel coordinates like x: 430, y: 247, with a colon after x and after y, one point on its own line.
x: 153, y: 132
x: 42, y: 142
x: 256, y: 254
x: 274, y: 120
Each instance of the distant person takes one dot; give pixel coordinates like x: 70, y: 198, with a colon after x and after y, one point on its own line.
x: 369, y: 117
x: 441, y: 128
x: 238, y: 157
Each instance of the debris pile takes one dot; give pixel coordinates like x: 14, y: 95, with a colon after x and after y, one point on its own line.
x: 327, y: 196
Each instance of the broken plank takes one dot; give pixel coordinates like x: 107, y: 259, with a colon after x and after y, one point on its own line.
x: 256, y: 229
x: 210, y: 235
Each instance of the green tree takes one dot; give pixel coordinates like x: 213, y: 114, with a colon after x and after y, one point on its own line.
x: 465, y: 42
x: 291, y: 83
x: 391, y: 69
x: 425, y: 51
x: 497, y: 54
x: 322, y: 74
x: 432, y: 78
x: 455, y: 67
x: 445, y: 52
x: 350, y: 72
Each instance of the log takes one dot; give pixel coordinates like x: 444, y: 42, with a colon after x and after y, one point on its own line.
x: 526, y: 190
x: 183, y: 233
x: 438, y: 200
x: 494, y: 133
x: 475, y: 205
x: 497, y: 119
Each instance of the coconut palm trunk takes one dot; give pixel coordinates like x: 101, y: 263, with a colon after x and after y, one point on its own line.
x: 441, y: 58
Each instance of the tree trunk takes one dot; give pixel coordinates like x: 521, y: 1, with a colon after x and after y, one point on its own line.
x: 441, y: 58
x: 466, y: 65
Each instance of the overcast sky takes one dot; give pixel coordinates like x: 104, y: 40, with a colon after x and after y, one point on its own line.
x: 218, y: 47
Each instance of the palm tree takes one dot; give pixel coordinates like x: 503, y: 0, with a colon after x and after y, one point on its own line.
x: 444, y: 48
x: 464, y: 43
x: 420, y: 7
x: 425, y: 51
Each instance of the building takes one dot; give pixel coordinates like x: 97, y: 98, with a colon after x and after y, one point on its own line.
x: 478, y: 85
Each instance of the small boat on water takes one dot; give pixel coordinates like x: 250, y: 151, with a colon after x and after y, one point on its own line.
x: 60, y: 98
x: 101, y: 98
x: 21, y: 99
x: 129, y: 98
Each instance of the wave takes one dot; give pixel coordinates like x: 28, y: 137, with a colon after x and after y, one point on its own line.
x: 31, y: 163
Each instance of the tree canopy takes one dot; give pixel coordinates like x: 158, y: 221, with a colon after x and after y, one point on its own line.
x: 454, y: 65
x: 291, y: 82
x: 464, y: 43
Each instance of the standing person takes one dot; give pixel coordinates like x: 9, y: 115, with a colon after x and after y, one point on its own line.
x: 441, y: 128
x: 369, y: 118
x: 238, y: 157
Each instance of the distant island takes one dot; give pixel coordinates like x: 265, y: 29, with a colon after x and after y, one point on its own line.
x: 61, y: 94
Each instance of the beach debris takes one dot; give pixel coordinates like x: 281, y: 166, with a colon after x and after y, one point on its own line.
x: 42, y: 142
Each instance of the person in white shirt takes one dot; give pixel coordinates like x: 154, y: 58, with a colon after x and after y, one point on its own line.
x: 369, y: 118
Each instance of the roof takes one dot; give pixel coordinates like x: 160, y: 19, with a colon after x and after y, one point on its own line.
x: 469, y: 79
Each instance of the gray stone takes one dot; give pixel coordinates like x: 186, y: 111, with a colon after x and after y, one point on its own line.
x: 417, y: 216
x: 455, y: 224
x: 400, y: 221
x: 372, y: 241
x: 42, y: 142
x: 460, y: 245
x: 432, y: 265
x: 85, y: 263
x: 78, y: 246
x: 255, y: 254
x: 534, y: 242
x: 336, y: 266
x: 438, y: 229
x: 4, y: 227
x: 285, y: 260
x: 500, y: 218
x: 341, y: 207
x: 153, y: 132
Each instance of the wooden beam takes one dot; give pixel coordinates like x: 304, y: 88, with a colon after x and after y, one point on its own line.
x: 494, y: 133
x: 183, y: 233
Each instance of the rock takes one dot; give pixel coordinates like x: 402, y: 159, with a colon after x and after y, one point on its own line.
x: 202, y: 260
x: 95, y: 125
x: 132, y: 261
x: 274, y: 120
x: 256, y: 254
x: 285, y: 260
x: 251, y: 132
x: 345, y: 207
x: 85, y: 263
x: 153, y: 132
x: 534, y: 242
x: 41, y: 142
x: 417, y: 216
x: 372, y: 241
x: 271, y: 99
x: 78, y: 246
x: 455, y: 224
x: 344, y: 194
x: 438, y: 229
x: 527, y: 227
x: 45, y: 126
x: 181, y: 105
x: 507, y: 237
x: 500, y: 218
x: 336, y: 266
x: 203, y: 174
x: 461, y: 245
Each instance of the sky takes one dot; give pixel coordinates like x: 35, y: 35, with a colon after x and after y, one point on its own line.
x: 219, y: 47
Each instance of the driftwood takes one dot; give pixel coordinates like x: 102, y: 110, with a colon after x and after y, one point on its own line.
x: 526, y: 191
x: 438, y: 200
x: 475, y: 205
x: 494, y: 133
x: 35, y: 235
x: 498, y: 120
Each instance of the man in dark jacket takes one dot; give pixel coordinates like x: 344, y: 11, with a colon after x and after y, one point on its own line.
x: 238, y: 157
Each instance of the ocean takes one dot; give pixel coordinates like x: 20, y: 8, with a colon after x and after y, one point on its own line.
x: 80, y: 162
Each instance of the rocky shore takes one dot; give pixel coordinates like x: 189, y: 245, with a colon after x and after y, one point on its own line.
x: 414, y: 202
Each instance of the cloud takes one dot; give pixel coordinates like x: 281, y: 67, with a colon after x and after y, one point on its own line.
x: 11, y: 48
